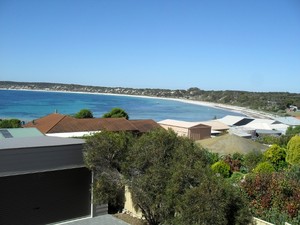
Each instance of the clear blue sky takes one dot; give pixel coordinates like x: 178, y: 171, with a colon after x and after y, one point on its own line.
x: 251, y: 45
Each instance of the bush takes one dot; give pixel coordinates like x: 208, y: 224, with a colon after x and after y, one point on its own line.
x: 11, y: 123
x: 251, y: 159
x: 221, y: 168
x: 236, y: 177
x: 264, y: 167
x: 276, y: 155
x: 293, y: 151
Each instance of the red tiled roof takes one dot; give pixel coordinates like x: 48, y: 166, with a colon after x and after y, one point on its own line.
x: 58, y: 123
x: 145, y: 125
x: 46, y: 123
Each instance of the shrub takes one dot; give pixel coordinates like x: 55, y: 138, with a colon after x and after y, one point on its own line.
x: 251, y: 159
x: 276, y: 155
x: 221, y: 168
x: 293, y: 151
x: 264, y: 167
x: 236, y: 177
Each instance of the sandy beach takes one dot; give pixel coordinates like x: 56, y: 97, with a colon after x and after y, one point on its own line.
x: 245, y: 111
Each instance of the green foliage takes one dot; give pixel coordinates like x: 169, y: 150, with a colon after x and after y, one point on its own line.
x: 233, y: 161
x: 221, y: 168
x: 293, y: 151
x: 10, y: 123
x: 84, y: 113
x: 116, y: 113
x: 104, y: 154
x: 276, y: 155
x: 167, y: 176
x: 274, y: 197
x: 292, y: 131
x: 211, y: 156
x: 251, y: 159
x: 236, y: 178
x: 264, y: 167
x: 281, y: 140
x: 212, y: 202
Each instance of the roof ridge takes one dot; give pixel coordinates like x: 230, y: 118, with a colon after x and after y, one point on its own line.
x: 64, y: 116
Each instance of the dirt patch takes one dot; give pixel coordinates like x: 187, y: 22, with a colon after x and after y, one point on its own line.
x: 130, y: 219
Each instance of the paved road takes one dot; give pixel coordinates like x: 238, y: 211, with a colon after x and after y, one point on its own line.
x: 99, y: 220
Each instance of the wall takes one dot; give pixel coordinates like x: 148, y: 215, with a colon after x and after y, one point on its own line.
x: 129, y: 207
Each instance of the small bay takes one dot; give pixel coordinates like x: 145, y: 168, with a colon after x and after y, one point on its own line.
x: 28, y: 105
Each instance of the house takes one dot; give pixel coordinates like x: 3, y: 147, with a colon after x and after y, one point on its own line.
x: 44, y: 180
x: 66, y: 126
x: 288, y: 120
x: 235, y: 120
x: 192, y: 130
x: 144, y: 126
x: 217, y: 127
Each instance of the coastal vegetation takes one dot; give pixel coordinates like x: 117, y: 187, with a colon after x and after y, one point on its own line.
x: 10, y: 123
x: 84, y: 113
x: 270, y: 180
x: 175, y: 181
x: 274, y: 102
x: 170, y: 179
x: 116, y: 113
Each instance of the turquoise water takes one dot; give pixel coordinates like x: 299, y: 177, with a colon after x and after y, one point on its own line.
x: 28, y: 105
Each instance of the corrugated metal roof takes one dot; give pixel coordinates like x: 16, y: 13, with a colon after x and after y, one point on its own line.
x: 178, y: 123
x: 215, y: 125
x: 289, y: 120
x: 231, y: 120
x: 41, y: 141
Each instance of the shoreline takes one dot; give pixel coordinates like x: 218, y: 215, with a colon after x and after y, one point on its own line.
x: 242, y: 110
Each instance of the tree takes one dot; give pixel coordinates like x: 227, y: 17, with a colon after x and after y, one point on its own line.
x: 10, y: 123
x: 293, y: 151
x: 104, y: 154
x: 170, y: 178
x: 164, y: 173
x: 84, y: 113
x: 116, y: 113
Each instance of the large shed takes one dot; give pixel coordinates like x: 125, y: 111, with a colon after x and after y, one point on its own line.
x: 43, y: 180
x: 192, y: 130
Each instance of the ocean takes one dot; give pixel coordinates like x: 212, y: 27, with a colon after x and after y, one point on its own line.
x: 28, y: 105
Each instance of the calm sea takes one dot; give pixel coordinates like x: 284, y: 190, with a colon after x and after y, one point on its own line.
x: 29, y: 105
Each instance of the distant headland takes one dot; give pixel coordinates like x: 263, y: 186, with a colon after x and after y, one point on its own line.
x: 270, y: 102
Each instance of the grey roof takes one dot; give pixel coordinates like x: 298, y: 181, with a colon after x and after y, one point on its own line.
x: 41, y: 141
x: 262, y: 131
x: 289, y: 120
x: 234, y: 120
x: 103, y: 220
